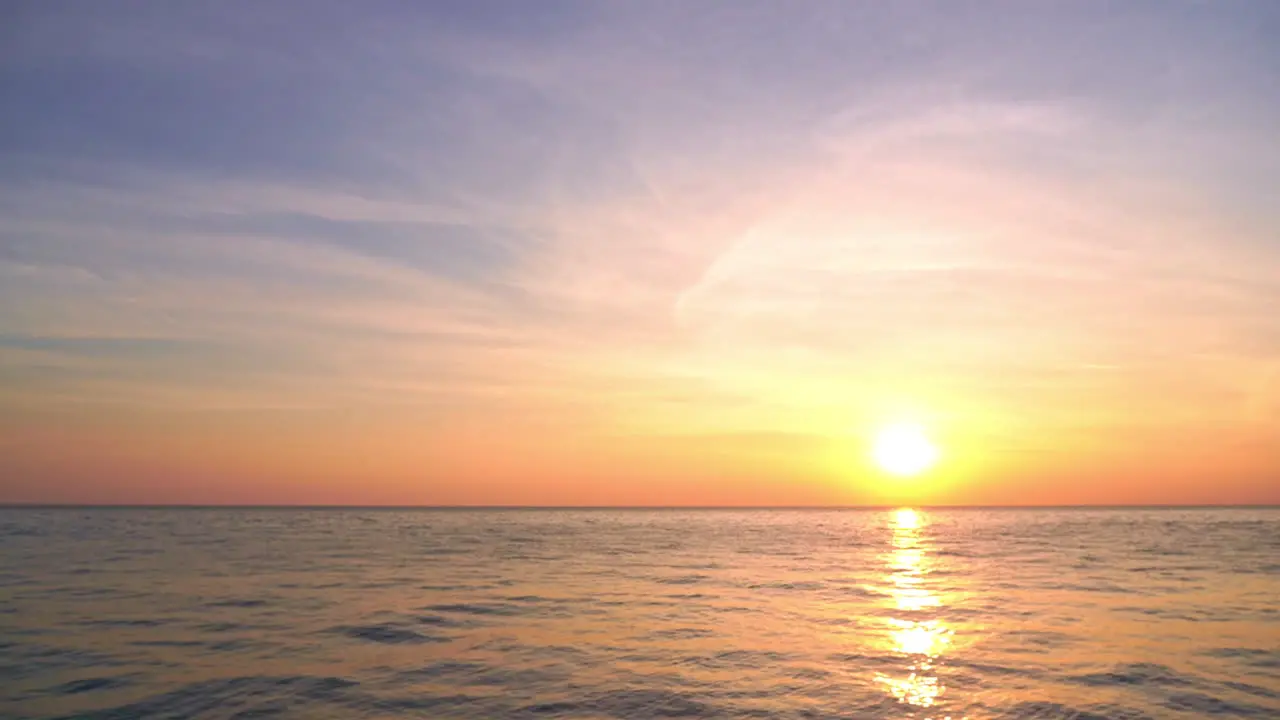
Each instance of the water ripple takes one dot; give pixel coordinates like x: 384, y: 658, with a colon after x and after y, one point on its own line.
x: 790, y: 615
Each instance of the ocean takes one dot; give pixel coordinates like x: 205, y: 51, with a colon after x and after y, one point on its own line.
x: 790, y: 614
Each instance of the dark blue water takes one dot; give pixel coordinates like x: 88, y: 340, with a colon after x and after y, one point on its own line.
x: 131, y: 613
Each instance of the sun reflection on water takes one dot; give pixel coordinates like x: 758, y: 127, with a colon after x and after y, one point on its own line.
x: 906, y: 519
x: 913, y: 634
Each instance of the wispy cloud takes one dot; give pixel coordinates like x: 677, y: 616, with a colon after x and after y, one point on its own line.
x: 743, y: 220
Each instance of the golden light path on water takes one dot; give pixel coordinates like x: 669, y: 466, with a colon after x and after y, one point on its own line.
x: 921, y: 639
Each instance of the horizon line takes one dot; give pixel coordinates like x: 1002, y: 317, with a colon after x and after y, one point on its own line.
x: 462, y: 507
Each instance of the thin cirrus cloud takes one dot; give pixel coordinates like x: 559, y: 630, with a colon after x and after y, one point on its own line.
x: 585, y: 234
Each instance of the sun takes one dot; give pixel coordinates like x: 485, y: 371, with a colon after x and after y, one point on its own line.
x: 903, y: 449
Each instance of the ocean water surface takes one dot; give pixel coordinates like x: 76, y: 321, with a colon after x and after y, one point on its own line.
x: 235, y: 613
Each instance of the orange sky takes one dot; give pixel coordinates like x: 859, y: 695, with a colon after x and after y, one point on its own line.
x: 630, y: 255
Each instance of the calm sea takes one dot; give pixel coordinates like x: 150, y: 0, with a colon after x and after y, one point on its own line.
x: 185, y: 613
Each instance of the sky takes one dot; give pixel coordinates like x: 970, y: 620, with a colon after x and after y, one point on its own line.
x: 638, y: 253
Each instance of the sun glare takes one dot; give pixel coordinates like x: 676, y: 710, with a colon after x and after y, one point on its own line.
x: 906, y: 518
x: 903, y: 449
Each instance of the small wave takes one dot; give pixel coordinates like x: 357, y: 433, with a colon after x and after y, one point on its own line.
x: 1252, y: 690
x: 20, y: 661
x: 733, y: 609
x: 679, y: 634
x: 1035, y: 641
x: 237, y: 603
x: 1164, y: 613
x: 808, y: 673
x: 1135, y: 674
x: 737, y: 660
x: 168, y: 643
x: 862, y: 591
x: 11, y: 531
x: 683, y: 580
x: 626, y: 704
x: 475, y: 674
x: 553, y: 708
x: 222, y: 627
x: 438, y: 621
x: 87, y: 685
x: 1252, y: 657
x: 124, y: 622
x: 1096, y: 587
x: 982, y: 669
x: 240, y: 696
x: 541, y: 600
x: 477, y: 608
x: 809, y: 585
x: 861, y: 660
x: 1210, y: 705
x: 447, y: 668
x: 1041, y: 710
x: 702, y: 566
x: 236, y: 645
x: 388, y: 634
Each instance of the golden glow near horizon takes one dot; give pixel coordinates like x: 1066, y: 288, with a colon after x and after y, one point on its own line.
x: 903, y: 449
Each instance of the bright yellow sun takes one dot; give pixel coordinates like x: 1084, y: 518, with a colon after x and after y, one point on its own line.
x: 904, y: 449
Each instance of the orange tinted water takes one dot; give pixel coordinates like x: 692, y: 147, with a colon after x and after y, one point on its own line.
x: 641, y: 614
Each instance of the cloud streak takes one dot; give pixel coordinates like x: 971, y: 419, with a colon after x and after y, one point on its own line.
x: 609, y: 228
